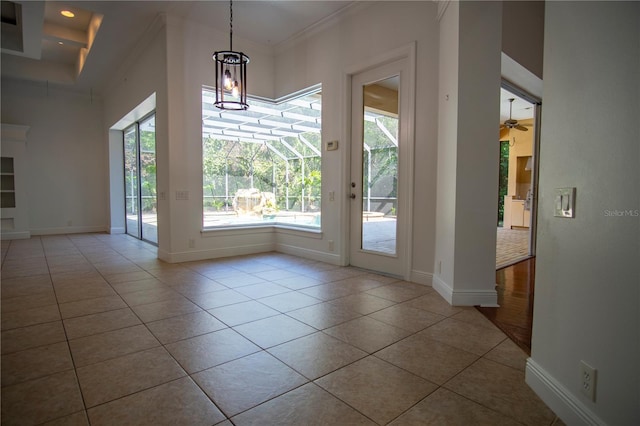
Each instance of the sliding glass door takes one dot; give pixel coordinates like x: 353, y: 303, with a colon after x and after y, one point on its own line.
x: 140, y: 180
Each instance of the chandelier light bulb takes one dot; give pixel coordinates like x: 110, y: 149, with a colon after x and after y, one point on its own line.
x: 236, y: 89
x: 227, y: 80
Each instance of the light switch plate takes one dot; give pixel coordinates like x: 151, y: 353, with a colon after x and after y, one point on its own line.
x: 565, y: 202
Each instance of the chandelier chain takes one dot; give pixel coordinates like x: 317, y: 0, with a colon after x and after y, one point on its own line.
x: 231, y: 25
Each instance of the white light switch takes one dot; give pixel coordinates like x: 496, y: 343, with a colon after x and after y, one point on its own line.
x: 565, y: 202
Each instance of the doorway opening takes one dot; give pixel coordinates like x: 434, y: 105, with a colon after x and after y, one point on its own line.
x: 517, y: 184
x: 141, y: 202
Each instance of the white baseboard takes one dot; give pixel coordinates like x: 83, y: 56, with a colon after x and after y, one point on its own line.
x: 566, y: 406
x: 194, y: 255
x: 68, y: 230
x: 421, y: 277
x: 16, y: 235
x: 465, y: 297
x: 320, y: 256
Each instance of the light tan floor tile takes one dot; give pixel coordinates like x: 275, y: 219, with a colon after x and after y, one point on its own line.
x: 297, y: 282
x: 184, y: 326
x: 286, y: 302
x: 407, y: 318
x: 468, y: 337
x: 323, y: 315
x: 21, y: 303
x: 133, y: 286
x: 99, y: 323
x: 150, y: 296
x: 366, y: 333
x: 429, y: 359
x: 75, y: 419
x: 194, y: 289
x: 239, y: 279
x: 243, y: 312
x: 363, y: 303
x: 30, y: 316
x: 328, y: 291
x: 127, y: 276
x: 35, y: 362
x: 433, y: 303
x: 316, y: 354
x: 445, y: 408
x: 91, y: 306
x: 217, y: 299
x: 257, y: 291
x: 20, y: 339
x: 242, y: 384
x: 400, y: 291
x: 82, y: 290
x: 27, y: 286
x: 473, y: 316
x: 37, y: 401
x: 165, y: 309
x: 179, y: 402
x: 307, y: 405
x: 112, y: 344
x: 273, y: 331
x: 508, y: 353
x: 503, y: 389
x: 208, y: 350
x: 377, y: 389
x: 117, y: 377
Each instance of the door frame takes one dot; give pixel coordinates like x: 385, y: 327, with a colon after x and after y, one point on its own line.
x: 537, y: 109
x: 408, y: 53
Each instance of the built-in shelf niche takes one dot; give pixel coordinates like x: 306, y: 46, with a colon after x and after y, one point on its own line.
x: 14, y: 211
x: 7, y: 183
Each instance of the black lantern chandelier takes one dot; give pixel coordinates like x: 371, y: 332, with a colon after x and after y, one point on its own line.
x: 231, y: 74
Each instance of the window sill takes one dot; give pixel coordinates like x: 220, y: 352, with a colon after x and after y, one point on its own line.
x: 262, y: 229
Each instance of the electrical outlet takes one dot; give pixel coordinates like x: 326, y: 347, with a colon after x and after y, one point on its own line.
x: 588, y: 380
x: 439, y: 267
x: 331, y: 246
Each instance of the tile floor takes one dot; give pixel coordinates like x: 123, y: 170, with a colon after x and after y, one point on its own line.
x: 96, y: 330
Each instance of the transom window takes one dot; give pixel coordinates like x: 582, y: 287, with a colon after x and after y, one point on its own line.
x: 263, y: 165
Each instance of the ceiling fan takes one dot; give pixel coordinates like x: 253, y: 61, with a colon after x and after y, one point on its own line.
x: 510, y: 123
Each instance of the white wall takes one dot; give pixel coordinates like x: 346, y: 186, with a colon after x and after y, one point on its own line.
x: 587, y: 271
x: 328, y: 56
x: 523, y: 33
x: 67, y: 176
x: 322, y: 58
x: 468, y: 170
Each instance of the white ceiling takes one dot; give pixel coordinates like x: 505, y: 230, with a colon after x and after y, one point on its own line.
x: 522, y: 109
x: 124, y: 22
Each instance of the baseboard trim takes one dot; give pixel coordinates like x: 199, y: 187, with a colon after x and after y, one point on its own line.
x: 320, y: 256
x: 455, y: 297
x: 68, y: 230
x: 19, y: 235
x: 421, y: 277
x: 194, y: 255
x: 566, y: 406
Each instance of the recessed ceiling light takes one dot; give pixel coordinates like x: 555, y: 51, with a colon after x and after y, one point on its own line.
x: 60, y: 43
x: 67, y: 14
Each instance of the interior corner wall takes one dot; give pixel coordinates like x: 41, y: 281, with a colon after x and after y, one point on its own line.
x: 587, y: 298
x: 468, y: 240
x: 523, y: 33
x: 347, y: 45
x: 66, y: 156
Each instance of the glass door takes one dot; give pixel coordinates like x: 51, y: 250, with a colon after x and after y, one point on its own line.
x: 140, y: 180
x: 378, y: 222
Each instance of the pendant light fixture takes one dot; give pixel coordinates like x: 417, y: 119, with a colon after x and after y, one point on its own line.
x: 231, y: 74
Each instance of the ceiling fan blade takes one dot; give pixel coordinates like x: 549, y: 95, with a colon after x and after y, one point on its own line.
x: 521, y: 128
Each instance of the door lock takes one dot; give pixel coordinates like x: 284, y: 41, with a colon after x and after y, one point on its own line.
x: 353, y: 184
x: 353, y: 196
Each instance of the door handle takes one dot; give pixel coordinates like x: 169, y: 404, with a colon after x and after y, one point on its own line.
x: 352, y: 196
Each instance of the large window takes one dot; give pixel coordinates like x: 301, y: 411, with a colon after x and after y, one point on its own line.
x: 262, y: 166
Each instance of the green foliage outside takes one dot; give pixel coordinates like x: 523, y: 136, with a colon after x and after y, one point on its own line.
x: 503, y: 183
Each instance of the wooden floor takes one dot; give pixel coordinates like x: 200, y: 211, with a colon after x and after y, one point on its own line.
x: 515, y: 285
